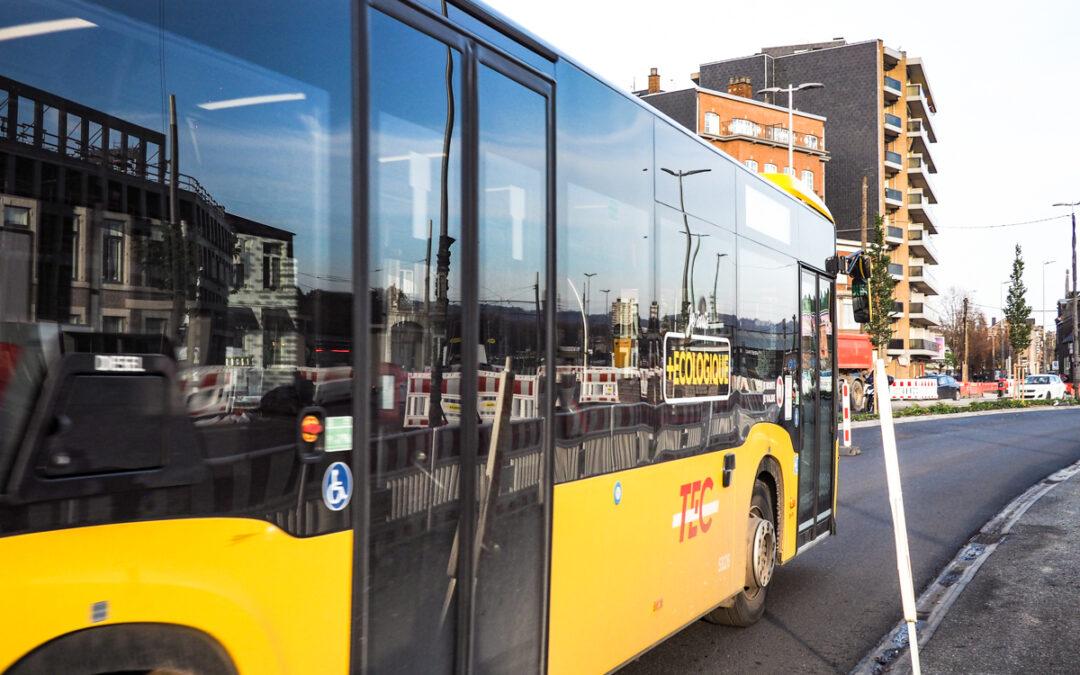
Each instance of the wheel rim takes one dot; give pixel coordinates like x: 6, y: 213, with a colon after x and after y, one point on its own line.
x: 762, y: 551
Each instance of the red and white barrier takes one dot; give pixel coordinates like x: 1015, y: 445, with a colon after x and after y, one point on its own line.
x: 913, y: 389
x: 845, y: 397
x: 418, y: 397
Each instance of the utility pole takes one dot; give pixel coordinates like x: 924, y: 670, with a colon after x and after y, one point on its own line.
x: 1074, y: 373
x: 964, y: 370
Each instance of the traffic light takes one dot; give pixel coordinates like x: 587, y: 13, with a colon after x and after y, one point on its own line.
x: 310, y: 434
x: 859, y: 273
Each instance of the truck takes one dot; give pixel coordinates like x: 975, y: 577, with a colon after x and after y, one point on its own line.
x: 854, y: 360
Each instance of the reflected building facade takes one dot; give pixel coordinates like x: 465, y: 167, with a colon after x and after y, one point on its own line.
x: 86, y: 237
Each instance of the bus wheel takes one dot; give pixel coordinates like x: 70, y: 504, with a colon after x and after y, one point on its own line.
x: 748, y: 606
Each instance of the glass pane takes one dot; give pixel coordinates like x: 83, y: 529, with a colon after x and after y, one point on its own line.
x: 415, y: 268
x: 116, y: 276
x: 694, y: 178
x: 808, y: 398
x: 827, y: 408
x: 607, y: 343
x: 512, y: 231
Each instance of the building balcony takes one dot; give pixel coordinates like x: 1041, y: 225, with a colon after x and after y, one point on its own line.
x: 919, y: 211
x: 919, y: 176
x: 896, y: 347
x: 894, y: 235
x: 894, y: 126
x: 922, y: 347
x: 894, y: 162
x: 920, y: 132
x: 921, y: 245
x: 894, y: 199
x: 923, y: 280
x: 923, y: 314
x: 918, y: 104
x: 775, y: 135
x: 893, y: 88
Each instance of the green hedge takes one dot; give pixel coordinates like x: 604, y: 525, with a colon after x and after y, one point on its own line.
x: 975, y: 406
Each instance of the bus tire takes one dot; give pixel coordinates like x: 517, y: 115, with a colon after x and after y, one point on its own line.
x: 749, y: 604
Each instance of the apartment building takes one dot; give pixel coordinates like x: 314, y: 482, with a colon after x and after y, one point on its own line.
x: 754, y: 132
x: 879, y: 108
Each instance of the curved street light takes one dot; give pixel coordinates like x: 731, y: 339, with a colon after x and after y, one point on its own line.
x: 791, y: 89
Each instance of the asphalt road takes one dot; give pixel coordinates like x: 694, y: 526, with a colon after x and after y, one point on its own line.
x: 832, y: 604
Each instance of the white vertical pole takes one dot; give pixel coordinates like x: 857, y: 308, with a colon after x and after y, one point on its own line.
x: 846, y: 397
x: 896, y: 504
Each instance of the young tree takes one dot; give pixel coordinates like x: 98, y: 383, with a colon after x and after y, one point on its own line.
x: 881, y: 290
x: 1017, y: 311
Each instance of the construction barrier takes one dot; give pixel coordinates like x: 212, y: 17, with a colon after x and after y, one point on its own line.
x: 978, y: 389
x: 418, y: 397
x: 913, y: 389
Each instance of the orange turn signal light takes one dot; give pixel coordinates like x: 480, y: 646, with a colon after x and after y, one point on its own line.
x: 310, y: 428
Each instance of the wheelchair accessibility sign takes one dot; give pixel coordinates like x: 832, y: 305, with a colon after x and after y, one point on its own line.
x: 337, y: 486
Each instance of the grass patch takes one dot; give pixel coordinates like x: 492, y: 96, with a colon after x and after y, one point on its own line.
x: 975, y: 406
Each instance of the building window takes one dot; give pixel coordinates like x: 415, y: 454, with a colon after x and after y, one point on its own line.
x: 16, y: 216
x: 808, y: 179
x: 75, y: 251
x: 112, y: 253
x: 789, y: 171
x: 712, y: 123
x: 155, y: 326
x: 271, y: 266
x: 751, y: 164
x: 75, y: 319
x: 811, y: 141
x: 112, y: 324
x: 769, y: 168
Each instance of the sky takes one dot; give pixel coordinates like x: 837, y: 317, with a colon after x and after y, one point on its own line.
x: 1001, y: 75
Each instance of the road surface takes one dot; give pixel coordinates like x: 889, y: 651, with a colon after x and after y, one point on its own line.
x: 828, y: 607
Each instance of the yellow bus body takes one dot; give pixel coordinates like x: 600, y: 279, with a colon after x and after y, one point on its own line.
x: 621, y: 578
x: 276, y: 603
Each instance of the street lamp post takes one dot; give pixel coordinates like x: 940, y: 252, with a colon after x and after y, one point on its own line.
x: 791, y: 89
x: 680, y: 174
x: 1042, y: 361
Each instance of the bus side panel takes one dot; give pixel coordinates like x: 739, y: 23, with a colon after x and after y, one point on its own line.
x: 240, y: 581
x: 621, y: 578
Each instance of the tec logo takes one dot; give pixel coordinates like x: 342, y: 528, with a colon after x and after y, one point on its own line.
x: 697, y: 509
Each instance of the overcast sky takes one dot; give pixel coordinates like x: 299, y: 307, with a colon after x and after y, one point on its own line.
x: 1003, y: 77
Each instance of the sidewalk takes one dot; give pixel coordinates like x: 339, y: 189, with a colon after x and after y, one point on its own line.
x: 1019, y: 612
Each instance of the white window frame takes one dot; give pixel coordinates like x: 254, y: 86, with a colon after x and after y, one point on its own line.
x: 712, y: 123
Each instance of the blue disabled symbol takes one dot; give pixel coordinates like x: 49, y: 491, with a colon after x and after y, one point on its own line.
x: 618, y: 492
x: 337, y: 486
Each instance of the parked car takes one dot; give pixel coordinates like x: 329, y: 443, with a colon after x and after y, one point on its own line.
x: 1042, y: 386
x: 947, y: 387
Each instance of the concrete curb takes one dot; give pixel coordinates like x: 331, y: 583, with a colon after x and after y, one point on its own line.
x: 957, y: 416
x: 891, y: 653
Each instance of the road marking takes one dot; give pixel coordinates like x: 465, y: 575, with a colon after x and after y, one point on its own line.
x: 939, y: 597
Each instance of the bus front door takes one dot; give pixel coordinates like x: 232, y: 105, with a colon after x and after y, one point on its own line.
x: 817, y: 423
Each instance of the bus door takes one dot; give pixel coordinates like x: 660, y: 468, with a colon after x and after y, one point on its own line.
x: 460, y: 195
x: 817, y: 421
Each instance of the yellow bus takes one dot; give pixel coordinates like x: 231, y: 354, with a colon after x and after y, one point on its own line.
x: 371, y: 336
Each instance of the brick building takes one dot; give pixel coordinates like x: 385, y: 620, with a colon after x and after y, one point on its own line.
x: 754, y: 132
x: 879, y: 108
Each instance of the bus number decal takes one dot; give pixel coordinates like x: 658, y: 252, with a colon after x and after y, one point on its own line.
x: 697, y: 509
